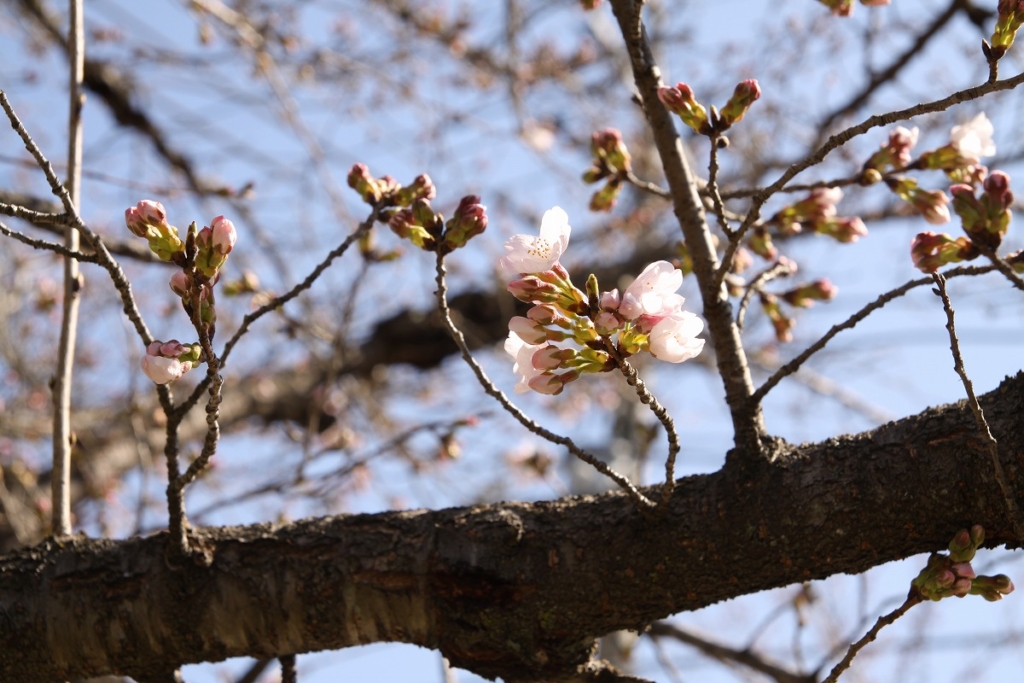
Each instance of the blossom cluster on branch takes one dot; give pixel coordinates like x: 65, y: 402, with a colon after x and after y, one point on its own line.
x: 596, y: 329
x: 201, y: 255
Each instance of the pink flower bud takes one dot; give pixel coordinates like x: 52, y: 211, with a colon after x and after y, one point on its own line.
x: 964, y: 570
x: 143, y: 215
x: 528, y: 330
x: 607, y: 323
x: 805, y: 295
x: 610, y: 151
x: 224, y: 235
x: 179, y: 283
x: 961, y: 587
x: 546, y: 383
x: 531, y: 290
x: 745, y: 94
x: 680, y: 101
x: 551, y: 357
x: 997, y: 187
x: 609, y: 301
x: 544, y: 314
x: 470, y: 220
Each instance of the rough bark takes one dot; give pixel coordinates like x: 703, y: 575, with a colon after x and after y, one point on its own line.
x: 513, y: 590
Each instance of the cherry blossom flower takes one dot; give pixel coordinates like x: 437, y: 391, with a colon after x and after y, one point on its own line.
x: 528, y: 254
x: 653, y: 292
x: 973, y: 139
x: 163, y: 370
x: 167, y: 361
x: 674, y: 338
x: 523, y: 355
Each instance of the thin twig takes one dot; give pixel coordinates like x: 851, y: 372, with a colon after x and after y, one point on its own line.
x: 991, y: 445
x: 646, y: 186
x: 780, y: 268
x: 177, y: 519
x: 1002, y: 266
x: 103, y: 257
x: 804, y: 187
x: 216, y: 383
x: 33, y: 216
x: 60, y: 484
x: 885, y: 620
x: 716, y: 197
x: 745, y: 657
x: 446, y: 315
x: 648, y: 399
x: 794, y: 365
x: 48, y: 246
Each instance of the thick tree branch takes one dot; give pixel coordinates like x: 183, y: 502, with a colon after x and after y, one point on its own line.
x: 748, y: 423
x: 511, y: 590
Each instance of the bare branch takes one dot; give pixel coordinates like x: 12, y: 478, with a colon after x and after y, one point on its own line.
x: 794, y: 365
x: 723, y: 653
x: 885, y: 620
x: 748, y: 423
x: 991, y: 445
x: 60, y: 484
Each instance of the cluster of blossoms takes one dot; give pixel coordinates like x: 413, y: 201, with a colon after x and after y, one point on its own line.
x: 960, y: 160
x: 593, y: 326
x: 201, y: 255
x: 611, y: 160
x: 680, y: 101
x: 952, y: 575
x: 409, y: 215
x: 844, y: 8
x: 985, y: 216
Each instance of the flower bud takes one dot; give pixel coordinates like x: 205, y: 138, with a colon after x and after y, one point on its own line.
x: 167, y: 361
x: 224, y: 235
x: 531, y: 290
x: 760, y: 243
x: 745, y: 94
x: 782, y: 324
x: 610, y: 151
x: 552, y: 357
x: 528, y: 330
x: 607, y: 323
x: 179, y: 283
x: 470, y: 220
x: 421, y: 188
x: 546, y: 383
x: 148, y: 219
x: 845, y: 230
x: 418, y: 224
x: 605, y: 199
x: 1010, y: 18
x: 805, y: 295
x: 680, y: 101
x: 930, y: 251
x: 894, y: 153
